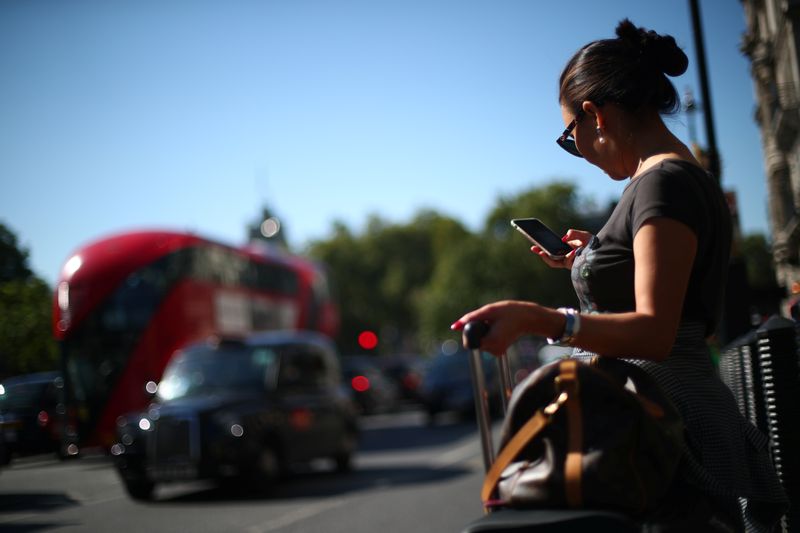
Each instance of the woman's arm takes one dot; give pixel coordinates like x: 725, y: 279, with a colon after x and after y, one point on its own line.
x: 664, y: 251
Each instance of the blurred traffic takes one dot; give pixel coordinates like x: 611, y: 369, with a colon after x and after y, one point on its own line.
x: 248, y: 409
x: 186, y: 359
x: 240, y: 410
x: 372, y: 389
x: 406, y: 372
x: 29, y: 415
x: 447, y: 385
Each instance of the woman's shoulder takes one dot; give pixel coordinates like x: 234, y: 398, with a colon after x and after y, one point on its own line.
x: 673, y: 188
x: 675, y: 176
x: 681, y: 169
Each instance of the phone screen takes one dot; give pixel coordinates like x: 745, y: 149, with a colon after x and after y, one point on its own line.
x: 541, y: 235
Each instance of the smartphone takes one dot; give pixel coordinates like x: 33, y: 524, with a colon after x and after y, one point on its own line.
x: 542, y: 236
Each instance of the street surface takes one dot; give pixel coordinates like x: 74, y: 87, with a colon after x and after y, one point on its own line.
x: 408, y: 477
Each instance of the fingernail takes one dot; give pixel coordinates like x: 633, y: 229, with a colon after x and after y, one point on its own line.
x: 456, y: 325
x: 564, y: 238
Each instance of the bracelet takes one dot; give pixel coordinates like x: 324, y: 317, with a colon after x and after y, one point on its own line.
x: 572, y: 326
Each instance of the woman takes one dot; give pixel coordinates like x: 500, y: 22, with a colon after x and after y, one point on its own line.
x: 650, y: 283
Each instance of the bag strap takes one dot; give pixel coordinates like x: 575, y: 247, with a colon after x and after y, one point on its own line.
x: 510, y: 451
x: 567, y: 379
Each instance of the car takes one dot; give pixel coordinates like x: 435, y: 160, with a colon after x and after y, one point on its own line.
x: 29, y: 420
x: 241, y: 410
x: 447, y: 385
x: 372, y: 390
x: 406, y: 372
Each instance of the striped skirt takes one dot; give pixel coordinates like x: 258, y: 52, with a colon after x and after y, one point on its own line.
x: 727, y: 457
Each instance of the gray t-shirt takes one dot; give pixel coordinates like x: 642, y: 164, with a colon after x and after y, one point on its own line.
x: 603, y: 272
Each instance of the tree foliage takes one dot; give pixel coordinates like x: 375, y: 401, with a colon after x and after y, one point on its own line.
x: 764, y: 293
x: 496, y: 263
x: 379, y: 277
x: 409, y: 282
x: 757, y: 255
x: 13, y: 258
x: 26, y: 340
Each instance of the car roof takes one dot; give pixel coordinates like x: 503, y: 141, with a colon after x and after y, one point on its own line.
x: 298, y: 336
x: 295, y: 336
x: 36, y: 377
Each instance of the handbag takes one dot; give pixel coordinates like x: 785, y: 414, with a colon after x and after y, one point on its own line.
x: 596, y: 436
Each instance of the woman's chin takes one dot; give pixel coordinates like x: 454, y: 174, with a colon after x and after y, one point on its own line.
x: 614, y: 176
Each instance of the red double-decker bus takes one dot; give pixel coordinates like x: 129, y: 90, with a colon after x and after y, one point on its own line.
x: 125, y: 303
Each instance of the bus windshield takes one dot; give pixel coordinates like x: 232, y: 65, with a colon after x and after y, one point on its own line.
x: 203, y: 370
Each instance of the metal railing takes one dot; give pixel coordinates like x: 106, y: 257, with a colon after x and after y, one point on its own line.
x: 761, y: 369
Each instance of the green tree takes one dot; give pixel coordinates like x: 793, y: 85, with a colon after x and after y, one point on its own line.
x: 496, y: 264
x: 409, y: 281
x: 13, y: 258
x: 26, y: 341
x: 462, y: 280
x: 757, y: 255
x: 765, y: 294
x: 522, y: 274
x: 379, y: 276
x: 351, y: 279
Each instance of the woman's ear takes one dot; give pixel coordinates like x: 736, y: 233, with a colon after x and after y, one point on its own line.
x: 595, y: 112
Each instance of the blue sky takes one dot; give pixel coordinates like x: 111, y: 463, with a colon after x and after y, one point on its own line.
x: 191, y: 115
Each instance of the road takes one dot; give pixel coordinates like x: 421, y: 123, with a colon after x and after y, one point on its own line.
x: 408, y: 476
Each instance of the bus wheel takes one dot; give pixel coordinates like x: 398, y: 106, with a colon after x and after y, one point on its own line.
x: 140, y: 489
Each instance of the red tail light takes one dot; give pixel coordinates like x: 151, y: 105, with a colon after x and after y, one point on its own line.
x: 411, y: 381
x: 360, y: 383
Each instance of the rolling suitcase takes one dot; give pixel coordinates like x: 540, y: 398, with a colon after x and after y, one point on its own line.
x: 504, y: 520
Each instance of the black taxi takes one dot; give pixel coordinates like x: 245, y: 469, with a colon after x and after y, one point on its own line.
x: 240, y: 409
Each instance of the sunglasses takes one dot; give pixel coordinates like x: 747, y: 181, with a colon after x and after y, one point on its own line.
x: 567, y: 141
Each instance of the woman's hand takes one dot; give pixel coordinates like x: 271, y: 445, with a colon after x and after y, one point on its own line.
x: 575, y: 238
x: 508, y: 320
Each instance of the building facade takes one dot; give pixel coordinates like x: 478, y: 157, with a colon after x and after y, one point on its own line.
x: 771, y: 43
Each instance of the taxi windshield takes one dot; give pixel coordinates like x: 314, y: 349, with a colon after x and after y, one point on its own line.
x: 22, y: 395
x: 206, y: 370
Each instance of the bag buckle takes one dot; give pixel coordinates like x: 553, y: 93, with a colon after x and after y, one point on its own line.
x: 551, y: 409
x: 567, y: 383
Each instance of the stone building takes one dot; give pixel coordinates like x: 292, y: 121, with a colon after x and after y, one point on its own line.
x: 771, y: 43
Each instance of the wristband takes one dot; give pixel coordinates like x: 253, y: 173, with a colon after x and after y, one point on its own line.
x: 572, y: 326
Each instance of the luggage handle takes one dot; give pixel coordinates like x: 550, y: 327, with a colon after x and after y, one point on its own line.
x: 473, y: 333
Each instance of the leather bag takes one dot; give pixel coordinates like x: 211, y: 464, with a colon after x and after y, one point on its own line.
x: 577, y: 435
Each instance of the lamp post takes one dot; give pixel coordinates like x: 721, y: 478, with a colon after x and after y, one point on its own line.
x: 708, y: 113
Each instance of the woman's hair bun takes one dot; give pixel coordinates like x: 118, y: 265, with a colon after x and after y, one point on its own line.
x: 661, y: 50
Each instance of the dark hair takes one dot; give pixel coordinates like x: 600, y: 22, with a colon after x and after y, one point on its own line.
x: 630, y: 71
